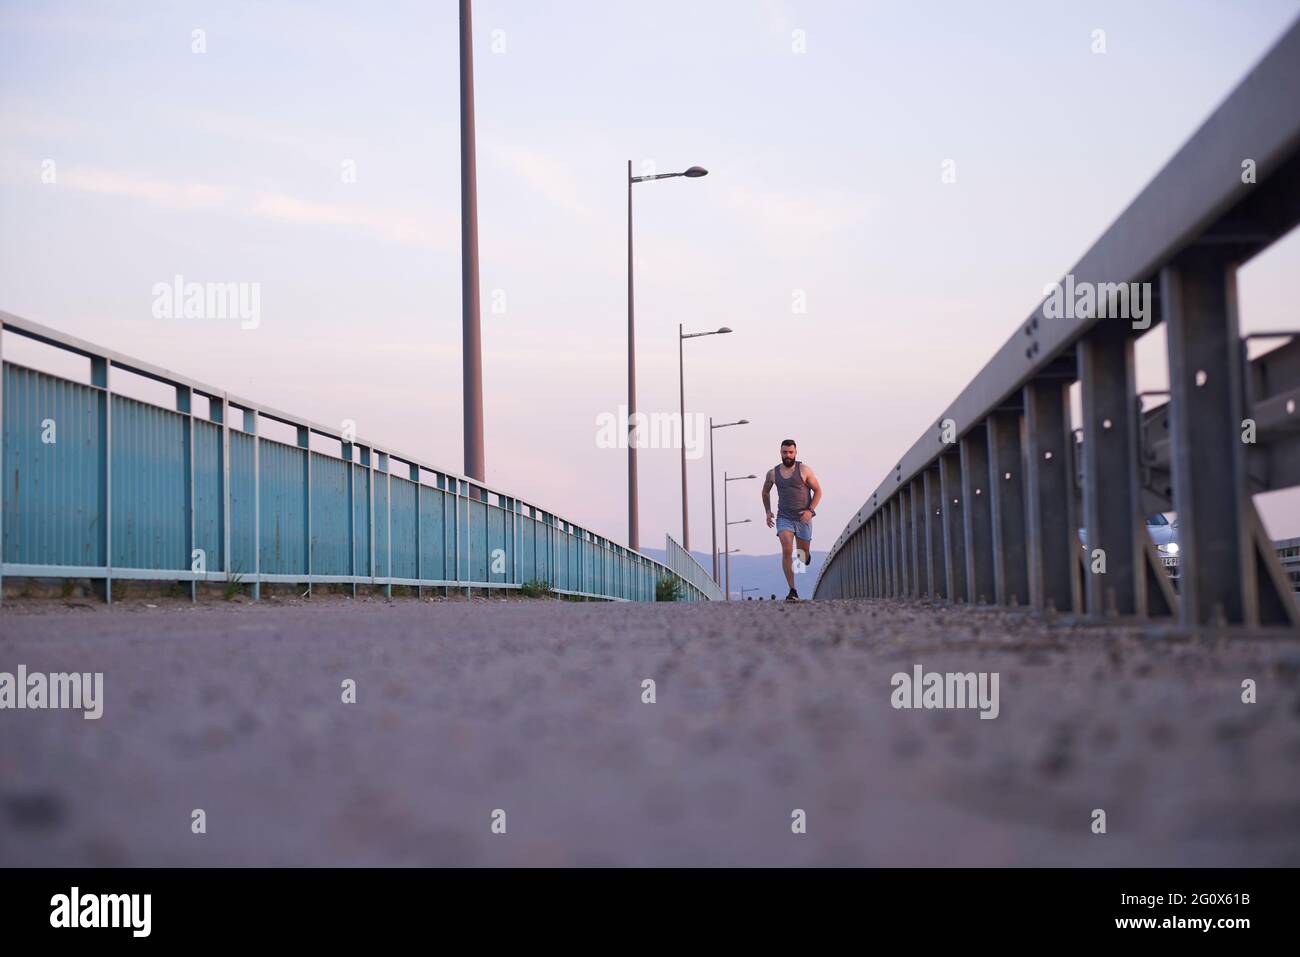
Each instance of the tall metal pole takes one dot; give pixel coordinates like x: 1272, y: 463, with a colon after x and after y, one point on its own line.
x: 713, y: 507
x: 471, y: 343
x: 681, y: 392
x: 726, y: 535
x: 633, y: 525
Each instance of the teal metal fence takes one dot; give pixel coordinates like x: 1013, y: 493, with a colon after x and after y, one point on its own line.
x: 684, y: 565
x: 95, y: 484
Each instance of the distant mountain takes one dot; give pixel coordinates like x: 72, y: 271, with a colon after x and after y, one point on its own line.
x: 756, y: 571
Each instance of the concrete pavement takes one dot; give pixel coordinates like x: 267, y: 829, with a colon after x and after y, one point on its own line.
x: 535, y: 708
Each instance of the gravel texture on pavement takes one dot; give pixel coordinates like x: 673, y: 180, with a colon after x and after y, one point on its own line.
x: 535, y: 708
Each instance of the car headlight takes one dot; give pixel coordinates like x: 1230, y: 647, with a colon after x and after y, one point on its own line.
x: 1170, y: 549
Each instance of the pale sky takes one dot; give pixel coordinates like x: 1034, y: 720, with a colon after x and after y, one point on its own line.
x: 825, y: 182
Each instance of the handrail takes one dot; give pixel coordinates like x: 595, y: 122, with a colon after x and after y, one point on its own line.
x: 684, y: 564
x: 1226, y: 195
x: 631, y: 575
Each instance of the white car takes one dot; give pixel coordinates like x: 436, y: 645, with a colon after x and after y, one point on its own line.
x: 1164, y: 534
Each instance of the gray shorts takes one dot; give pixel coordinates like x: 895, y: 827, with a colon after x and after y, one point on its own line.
x: 802, y: 530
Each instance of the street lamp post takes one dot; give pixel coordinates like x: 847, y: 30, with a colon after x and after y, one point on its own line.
x: 730, y: 552
x: 681, y: 387
x: 471, y: 338
x: 633, y: 525
x: 726, y: 525
x: 713, y: 481
x: 726, y: 556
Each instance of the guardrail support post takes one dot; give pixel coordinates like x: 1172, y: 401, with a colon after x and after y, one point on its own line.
x: 100, y: 371
x: 855, y: 586
x: 1225, y: 569
x: 886, y: 565
x: 848, y: 588
x: 977, y: 518
x: 860, y: 564
x: 882, y: 548
x: 346, y: 452
x: 895, y: 544
x: 250, y: 426
x: 869, y: 564
x: 916, y: 497
x: 878, y: 536
x: 227, y: 564
x: 1049, y: 493
x: 1007, y: 507
x: 367, y: 462
x: 885, y: 554
x: 882, y: 551
x: 185, y: 406
x: 381, y: 466
x: 1114, y: 526
x: 419, y: 565
x: 516, y: 546
x: 304, y: 443
x: 864, y: 561
x: 936, y: 572
x: 891, y: 523
x: 902, y: 509
x: 914, y: 519
x: 954, y: 533
x: 846, y: 582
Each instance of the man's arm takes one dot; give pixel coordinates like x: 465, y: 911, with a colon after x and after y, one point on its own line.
x: 811, y: 481
x: 768, y: 482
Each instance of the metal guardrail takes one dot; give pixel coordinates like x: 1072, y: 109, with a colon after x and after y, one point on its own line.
x: 982, y: 508
x: 683, y: 563
x: 131, y: 490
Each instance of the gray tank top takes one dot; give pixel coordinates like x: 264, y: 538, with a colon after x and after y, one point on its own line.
x: 792, y: 494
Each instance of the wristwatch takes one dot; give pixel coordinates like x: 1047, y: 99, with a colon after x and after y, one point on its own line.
x: 811, y: 512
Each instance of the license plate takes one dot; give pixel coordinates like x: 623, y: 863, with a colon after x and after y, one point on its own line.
x: 1167, y: 562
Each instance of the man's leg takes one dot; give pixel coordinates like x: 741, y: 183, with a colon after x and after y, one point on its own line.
x: 787, y: 553
x: 804, y: 550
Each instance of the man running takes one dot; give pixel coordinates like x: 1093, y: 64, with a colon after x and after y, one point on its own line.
x: 797, y: 495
